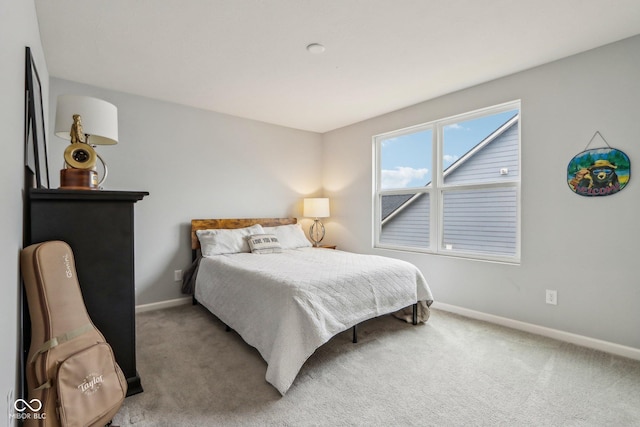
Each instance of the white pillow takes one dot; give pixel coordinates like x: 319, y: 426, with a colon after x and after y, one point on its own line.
x: 290, y: 236
x: 264, y: 244
x: 225, y: 240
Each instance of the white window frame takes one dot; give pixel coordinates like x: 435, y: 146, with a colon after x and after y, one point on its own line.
x: 437, y: 189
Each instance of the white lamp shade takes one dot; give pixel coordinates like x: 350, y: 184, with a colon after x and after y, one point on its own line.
x: 99, y: 118
x: 316, y: 208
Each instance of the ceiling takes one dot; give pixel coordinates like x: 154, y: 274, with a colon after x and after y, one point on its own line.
x: 248, y: 58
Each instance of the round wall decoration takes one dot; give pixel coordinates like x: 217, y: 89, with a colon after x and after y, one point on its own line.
x: 599, y: 172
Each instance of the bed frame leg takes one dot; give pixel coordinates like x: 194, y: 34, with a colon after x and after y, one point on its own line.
x: 355, y: 334
x: 415, y: 314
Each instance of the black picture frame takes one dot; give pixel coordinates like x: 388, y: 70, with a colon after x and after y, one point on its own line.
x: 29, y: 147
x: 35, y: 155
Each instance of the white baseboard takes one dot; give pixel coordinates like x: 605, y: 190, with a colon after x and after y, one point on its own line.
x: 608, y: 347
x: 163, y: 304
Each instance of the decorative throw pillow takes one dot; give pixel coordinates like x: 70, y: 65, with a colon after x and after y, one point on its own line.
x: 264, y: 244
x: 290, y: 236
x: 226, y: 240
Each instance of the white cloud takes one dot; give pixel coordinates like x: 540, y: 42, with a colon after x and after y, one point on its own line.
x: 401, y: 176
x: 388, y: 141
x: 456, y: 126
x: 450, y: 158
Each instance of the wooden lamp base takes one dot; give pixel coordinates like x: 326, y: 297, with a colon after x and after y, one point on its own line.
x: 78, y: 179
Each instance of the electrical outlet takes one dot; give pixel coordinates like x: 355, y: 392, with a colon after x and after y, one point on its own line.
x: 552, y: 297
x: 177, y: 275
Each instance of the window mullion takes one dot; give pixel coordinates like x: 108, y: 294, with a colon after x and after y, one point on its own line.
x: 479, y: 186
x: 436, y: 197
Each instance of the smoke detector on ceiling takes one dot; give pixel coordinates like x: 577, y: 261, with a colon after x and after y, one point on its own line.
x: 315, y: 48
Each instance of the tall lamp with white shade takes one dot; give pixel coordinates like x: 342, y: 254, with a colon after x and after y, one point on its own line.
x: 316, y: 208
x: 87, y: 122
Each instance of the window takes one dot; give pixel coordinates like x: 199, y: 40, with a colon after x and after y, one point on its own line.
x: 452, y: 186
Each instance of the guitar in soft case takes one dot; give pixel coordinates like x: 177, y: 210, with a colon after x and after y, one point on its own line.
x: 72, y: 376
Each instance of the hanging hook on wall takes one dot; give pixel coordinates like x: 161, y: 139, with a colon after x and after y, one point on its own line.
x: 597, y: 133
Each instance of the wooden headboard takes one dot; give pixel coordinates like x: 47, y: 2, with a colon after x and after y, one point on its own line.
x: 206, y: 224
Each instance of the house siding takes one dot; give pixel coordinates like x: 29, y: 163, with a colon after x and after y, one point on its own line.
x: 481, y: 220
x: 410, y: 227
x: 485, y: 165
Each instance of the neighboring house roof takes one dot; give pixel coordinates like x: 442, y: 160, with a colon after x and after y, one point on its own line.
x: 394, y: 203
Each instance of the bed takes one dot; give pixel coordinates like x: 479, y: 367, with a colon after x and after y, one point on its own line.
x: 285, y: 297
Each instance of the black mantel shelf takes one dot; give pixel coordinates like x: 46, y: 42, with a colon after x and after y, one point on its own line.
x: 64, y: 194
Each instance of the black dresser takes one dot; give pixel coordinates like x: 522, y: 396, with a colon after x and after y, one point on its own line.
x: 99, y: 227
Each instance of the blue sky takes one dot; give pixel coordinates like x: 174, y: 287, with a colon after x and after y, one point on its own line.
x: 406, y: 160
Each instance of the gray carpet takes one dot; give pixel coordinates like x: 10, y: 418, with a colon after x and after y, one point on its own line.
x: 452, y: 371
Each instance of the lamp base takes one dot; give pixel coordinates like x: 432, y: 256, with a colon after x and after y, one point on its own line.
x: 316, y: 232
x: 78, y: 179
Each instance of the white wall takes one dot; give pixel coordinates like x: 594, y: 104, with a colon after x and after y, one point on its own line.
x: 18, y: 29
x: 585, y: 248
x: 194, y: 164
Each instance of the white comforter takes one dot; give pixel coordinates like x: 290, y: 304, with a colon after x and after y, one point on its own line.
x: 288, y: 304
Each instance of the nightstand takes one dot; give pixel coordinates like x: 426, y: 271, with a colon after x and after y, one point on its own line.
x: 326, y: 246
